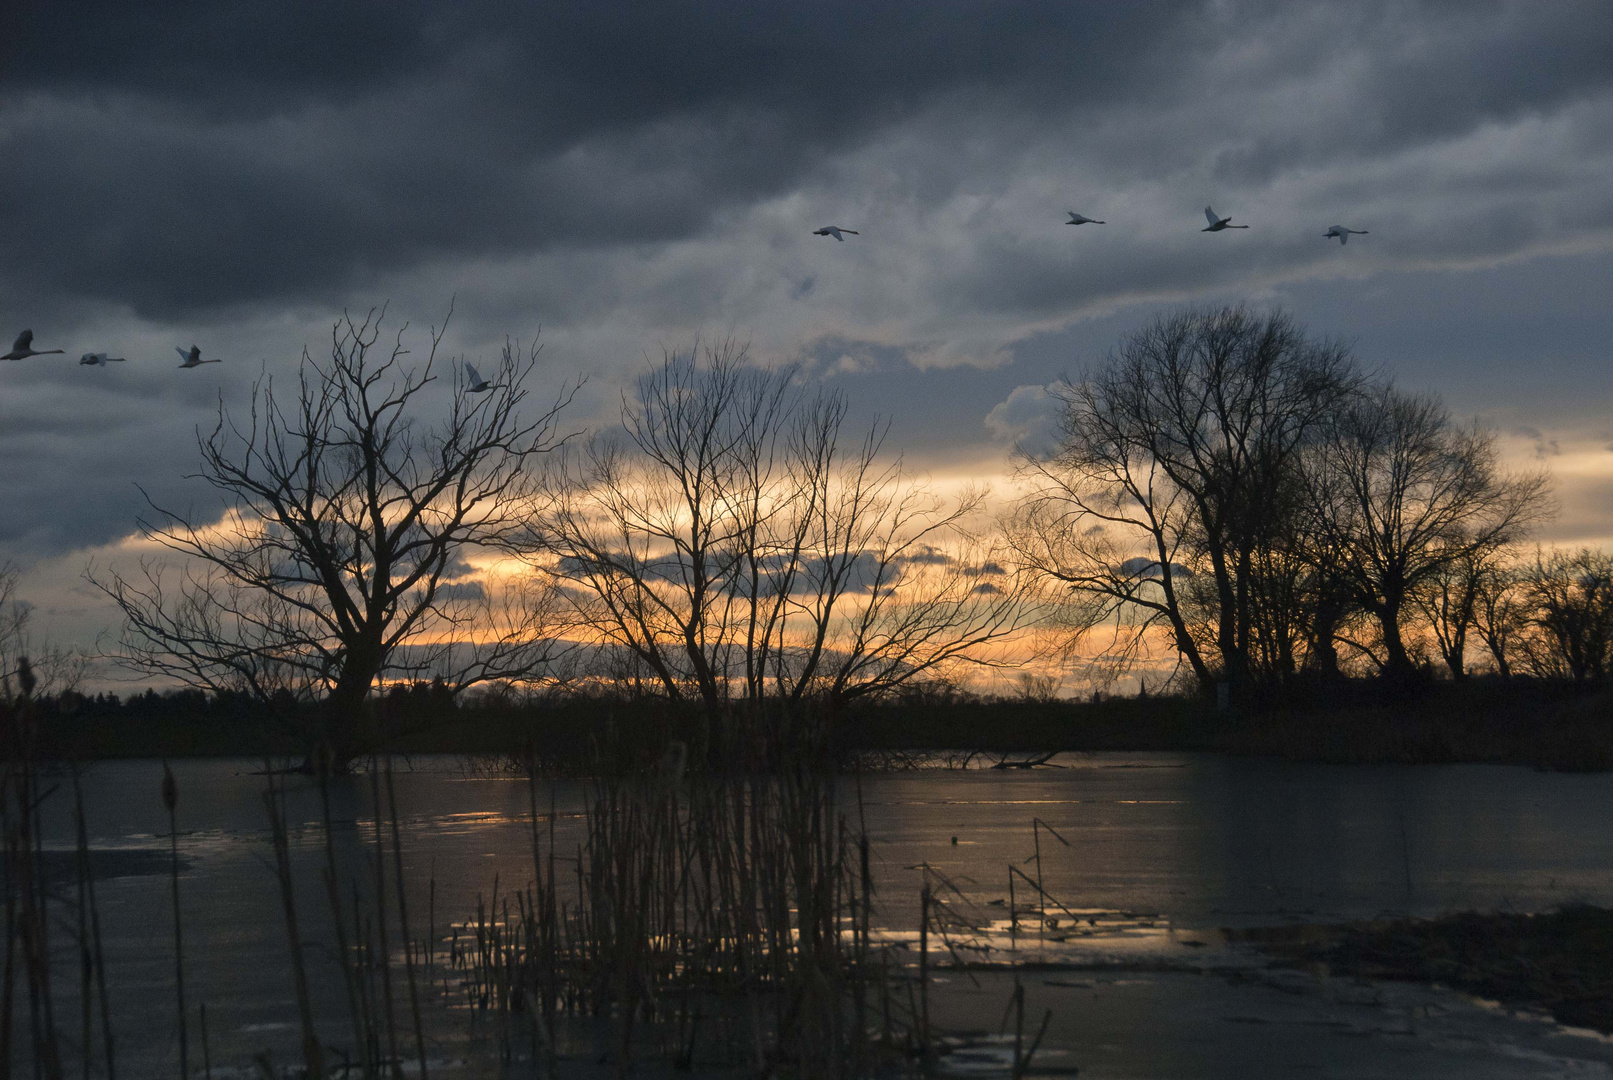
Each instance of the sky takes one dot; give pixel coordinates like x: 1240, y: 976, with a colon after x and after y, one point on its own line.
x: 626, y: 178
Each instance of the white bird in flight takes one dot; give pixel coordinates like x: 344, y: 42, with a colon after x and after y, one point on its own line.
x: 1082, y: 219
x: 475, y: 384
x: 24, y: 347
x: 834, y: 231
x: 1342, y: 233
x: 1219, y: 223
x: 193, y: 357
x: 100, y: 359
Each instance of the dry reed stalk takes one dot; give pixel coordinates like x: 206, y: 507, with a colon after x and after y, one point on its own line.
x: 207, y: 1052
x: 170, y: 799
x: 24, y: 855
x: 924, y: 970
x: 403, y: 923
x: 1018, y: 1002
x: 274, y: 800
x: 361, y: 983
x: 380, y: 926
x: 81, y: 863
x: 333, y: 896
x: 7, y: 999
x: 1022, y: 1065
x: 95, y: 937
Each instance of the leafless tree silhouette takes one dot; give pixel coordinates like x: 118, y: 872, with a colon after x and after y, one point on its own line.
x: 743, y: 556
x: 1400, y: 494
x: 1571, y: 599
x: 1171, y: 483
x: 336, y: 555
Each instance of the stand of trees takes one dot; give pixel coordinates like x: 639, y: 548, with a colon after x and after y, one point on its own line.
x: 728, y: 546
x: 1255, y: 498
x: 1226, y: 488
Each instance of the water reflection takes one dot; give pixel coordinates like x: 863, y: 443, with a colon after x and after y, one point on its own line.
x: 1164, y: 850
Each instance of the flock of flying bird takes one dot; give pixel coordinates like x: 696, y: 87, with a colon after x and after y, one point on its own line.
x: 23, y: 347
x: 1216, y: 225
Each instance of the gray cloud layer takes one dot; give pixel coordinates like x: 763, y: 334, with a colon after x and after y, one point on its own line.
x: 627, y: 174
x: 186, y: 157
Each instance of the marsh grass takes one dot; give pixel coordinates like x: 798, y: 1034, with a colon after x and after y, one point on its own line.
x: 714, y: 917
x: 707, y: 919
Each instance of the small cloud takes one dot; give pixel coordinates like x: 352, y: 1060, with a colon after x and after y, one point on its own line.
x: 461, y: 590
x: 928, y: 556
x: 1029, y: 419
x: 1143, y: 567
x: 1544, y: 447
x: 457, y: 568
x: 986, y: 588
x: 846, y: 364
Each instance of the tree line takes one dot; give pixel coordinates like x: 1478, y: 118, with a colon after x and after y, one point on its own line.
x: 1251, y: 499
x: 1226, y: 491
x: 729, y: 545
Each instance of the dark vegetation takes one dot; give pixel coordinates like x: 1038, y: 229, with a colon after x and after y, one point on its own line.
x: 1560, y: 962
x: 1551, y: 724
x: 1253, y: 500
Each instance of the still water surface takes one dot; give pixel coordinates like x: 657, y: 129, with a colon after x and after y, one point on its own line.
x: 1188, y: 842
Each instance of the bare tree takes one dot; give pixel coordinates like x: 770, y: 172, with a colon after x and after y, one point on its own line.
x: 1572, y: 599
x: 13, y: 628
x: 1169, y: 485
x: 1448, y: 600
x: 55, y: 669
x: 1500, y: 613
x: 1399, y: 494
x: 728, y: 543
x: 337, y: 554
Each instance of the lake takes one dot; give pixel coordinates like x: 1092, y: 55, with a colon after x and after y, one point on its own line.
x: 1157, y: 851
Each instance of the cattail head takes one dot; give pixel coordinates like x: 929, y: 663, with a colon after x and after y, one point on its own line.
x: 170, y: 789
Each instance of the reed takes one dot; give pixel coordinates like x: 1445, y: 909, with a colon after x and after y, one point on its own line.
x: 403, y: 923
x: 385, y: 962
x: 710, y: 917
x: 97, y: 955
x: 27, y: 899
x: 356, y: 1006
x: 170, y: 799
x: 207, y: 1050
x: 274, y: 802
x: 714, y: 915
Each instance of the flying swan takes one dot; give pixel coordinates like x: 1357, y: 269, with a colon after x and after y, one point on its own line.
x: 1082, y: 219
x: 475, y: 384
x: 1342, y: 233
x: 193, y: 358
x: 24, y: 347
x: 834, y: 231
x: 1219, y: 223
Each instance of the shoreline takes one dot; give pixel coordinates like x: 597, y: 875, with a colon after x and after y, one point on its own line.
x: 1553, y: 726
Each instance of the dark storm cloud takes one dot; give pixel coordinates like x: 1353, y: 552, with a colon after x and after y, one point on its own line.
x: 188, y: 157
x: 194, y: 156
